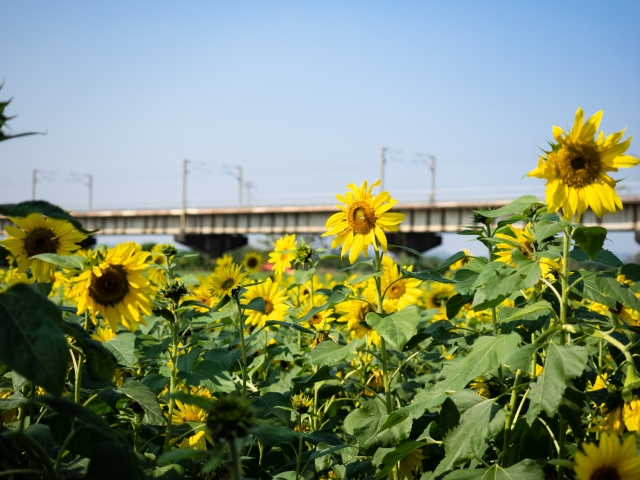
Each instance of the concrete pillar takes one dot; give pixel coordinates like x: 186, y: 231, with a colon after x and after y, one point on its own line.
x: 213, y: 245
x: 417, y: 241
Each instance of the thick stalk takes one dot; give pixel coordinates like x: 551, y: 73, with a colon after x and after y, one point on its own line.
x: 563, y: 335
x: 235, y: 460
x: 509, y: 419
x: 244, y: 349
x: 300, y: 445
x: 172, y: 381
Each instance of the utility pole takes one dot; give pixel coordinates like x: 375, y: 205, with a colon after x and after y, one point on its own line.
x: 34, y: 180
x: 239, y: 184
x: 183, y: 216
x: 382, y: 162
x: 432, y: 167
x: 90, y: 187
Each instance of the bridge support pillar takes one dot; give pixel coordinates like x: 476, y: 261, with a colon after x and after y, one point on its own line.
x: 213, y: 245
x: 417, y: 241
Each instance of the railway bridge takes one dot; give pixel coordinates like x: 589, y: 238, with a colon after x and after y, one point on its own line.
x: 216, y: 230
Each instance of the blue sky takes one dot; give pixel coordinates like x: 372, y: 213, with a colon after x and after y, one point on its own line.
x: 302, y: 94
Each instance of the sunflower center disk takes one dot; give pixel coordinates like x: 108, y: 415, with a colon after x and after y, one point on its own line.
x: 252, y: 262
x: 40, y: 240
x: 111, y: 287
x: 192, y: 417
x: 316, y: 319
x: 578, y: 165
x: 605, y: 473
x: 396, y: 290
x: 361, y: 218
x: 228, y: 283
x: 268, y: 306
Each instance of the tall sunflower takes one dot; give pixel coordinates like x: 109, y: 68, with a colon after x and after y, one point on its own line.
x: 225, y: 280
x: 252, y: 262
x: 116, y: 288
x: 274, y: 302
x: 576, y: 168
x: 362, y: 221
x: 37, y: 234
x: 609, y: 459
x: 284, y: 252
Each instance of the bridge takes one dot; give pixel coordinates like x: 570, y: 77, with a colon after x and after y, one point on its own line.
x: 216, y: 230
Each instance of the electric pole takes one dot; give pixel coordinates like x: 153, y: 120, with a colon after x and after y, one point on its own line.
x: 90, y: 187
x: 34, y: 180
x: 239, y: 185
x: 432, y: 167
x: 382, y: 162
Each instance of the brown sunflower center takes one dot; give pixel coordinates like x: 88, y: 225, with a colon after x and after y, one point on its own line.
x: 41, y: 240
x: 192, y: 417
x: 110, y: 288
x: 251, y: 262
x: 396, y: 290
x: 439, y: 299
x: 605, y: 473
x: 526, y: 249
x: 362, y: 313
x: 316, y: 319
x: 268, y: 306
x: 361, y: 217
x: 227, y: 284
x: 578, y: 165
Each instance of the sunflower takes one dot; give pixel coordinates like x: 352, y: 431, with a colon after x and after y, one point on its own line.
x: 576, y: 168
x: 37, y: 235
x: 252, y: 262
x: 609, y: 459
x: 284, y: 252
x: 319, y: 321
x: 103, y: 334
x: 116, y: 288
x: 401, y: 292
x: 202, y: 294
x: 410, y: 466
x: 224, y: 260
x: 362, y: 221
x: 486, y: 387
x: 274, y: 302
x: 524, y: 239
x: 631, y: 415
x: 157, y: 271
x: 439, y: 295
x: 225, y: 280
x: 186, y: 413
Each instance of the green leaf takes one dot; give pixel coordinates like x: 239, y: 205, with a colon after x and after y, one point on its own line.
x: 562, y: 363
x: 542, y: 306
x: 521, y: 359
x: 101, y: 363
x: 338, y: 295
x: 525, y: 470
x: 31, y: 340
x: 357, y: 264
x: 469, y: 439
x: 590, y: 239
x: 545, y: 229
x: 199, y: 401
x: 272, y: 435
x: 392, y: 458
x: 300, y: 383
x: 123, y: 348
x: 406, y: 249
x: 328, y: 352
x: 426, y: 275
x: 396, y: 328
x: 268, y: 405
x: 450, y: 261
x: 365, y: 427
x: 210, y: 375
x: 455, y: 304
x: 364, y: 277
x: 257, y: 304
x: 612, y: 288
x: 39, y: 206
x: 146, y: 399
x: 294, y: 326
x: 604, y: 257
x: 631, y: 271
x: 517, y: 206
x: 71, y: 262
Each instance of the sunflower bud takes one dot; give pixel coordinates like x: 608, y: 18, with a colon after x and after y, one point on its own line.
x: 168, y: 250
x: 478, y: 217
x: 231, y: 418
x: 301, y: 403
x: 304, y: 253
x: 174, y: 290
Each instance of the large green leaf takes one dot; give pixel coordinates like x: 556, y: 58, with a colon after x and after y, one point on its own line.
x: 469, y: 439
x: 210, y: 375
x: 71, y: 262
x: 525, y: 470
x: 146, y: 399
x: 612, y: 288
x: 392, y: 458
x: 300, y: 383
x: 338, y: 295
x: 101, y: 363
x: 31, y: 340
x: 538, y: 307
x: 590, y: 239
x: 562, y: 363
x: 517, y: 206
x: 545, y: 229
x: 396, y: 328
x: 39, y: 206
x: 328, y: 352
x: 365, y: 426
x: 123, y: 348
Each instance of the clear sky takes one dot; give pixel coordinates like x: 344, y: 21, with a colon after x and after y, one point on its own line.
x: 302, y: 94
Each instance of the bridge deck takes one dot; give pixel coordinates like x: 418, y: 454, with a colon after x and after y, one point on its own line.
x: 421, y: 217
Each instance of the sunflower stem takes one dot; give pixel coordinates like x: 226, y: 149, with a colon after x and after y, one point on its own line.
x: 173, y: 380
x: 235, y: 460
x: 244, y: 348
x: 78, y: 377
x: 509, y: 417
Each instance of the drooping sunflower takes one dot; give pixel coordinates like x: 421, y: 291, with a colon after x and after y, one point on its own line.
x: 576, y: 168
x: 225, y: 280
x: 252, y: 262
x: 116, y: 288
x: 362, y: 220
x: 284, y: 252
x: 608, y: 459
x: 37, y: 234
x: 274, y: 302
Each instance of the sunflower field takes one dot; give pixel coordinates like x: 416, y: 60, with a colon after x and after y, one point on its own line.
x: 520, y: 364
